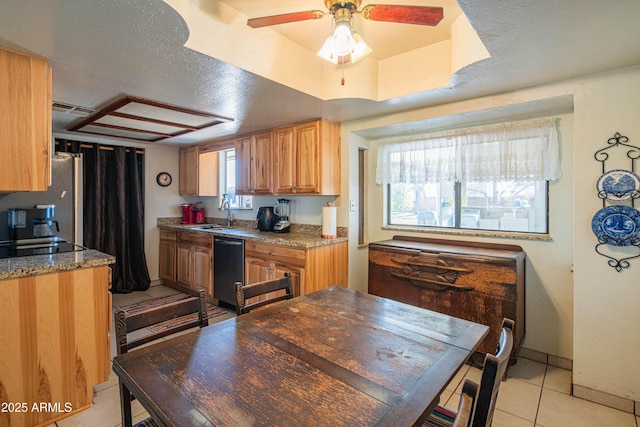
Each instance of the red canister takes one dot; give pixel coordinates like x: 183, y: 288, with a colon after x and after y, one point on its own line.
x: 187, y: 215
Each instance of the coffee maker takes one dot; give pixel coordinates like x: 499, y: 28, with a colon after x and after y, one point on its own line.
x: 282, y: 210
x: 198, y: 212
x: 34, y: 223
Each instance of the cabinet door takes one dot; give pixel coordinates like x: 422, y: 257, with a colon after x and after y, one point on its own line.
x: 285, y: 154
x: 189, y: 171
x: 167, y: 261
x: 243, y: 165
x: 307, y: 158
x: 257, y: 270
x: 202, y: 269
x: 183, y: 265
x: 208, y: 166
x: 25, y: 122
x: 261, y: 169
x: 296, y: 277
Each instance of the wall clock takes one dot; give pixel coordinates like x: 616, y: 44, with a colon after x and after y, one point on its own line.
x: 164, y: 179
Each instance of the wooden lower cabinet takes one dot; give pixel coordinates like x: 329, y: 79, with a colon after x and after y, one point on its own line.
x: 194, y: 261
x: 186, y: 263
x: 480, y: 282
x: 167, y: 256
x: 186, y: 260
x: 311, y: 269
x: 55, y: 343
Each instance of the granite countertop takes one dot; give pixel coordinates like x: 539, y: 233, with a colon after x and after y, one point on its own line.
x: 299, y: 239
x: 11, y: 268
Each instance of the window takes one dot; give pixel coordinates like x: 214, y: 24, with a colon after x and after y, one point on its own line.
x: 228, y: 181
x: 498, y: 205
x: 488, y: 178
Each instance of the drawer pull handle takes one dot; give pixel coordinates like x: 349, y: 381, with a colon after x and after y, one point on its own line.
x: 440, y: 267
x: 437, y: 285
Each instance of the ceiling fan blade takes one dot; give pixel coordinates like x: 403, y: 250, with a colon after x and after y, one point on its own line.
x: 285, y: 18
x: 419, y: 15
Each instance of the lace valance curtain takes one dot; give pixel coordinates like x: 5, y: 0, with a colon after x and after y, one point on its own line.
x: 517, y: 151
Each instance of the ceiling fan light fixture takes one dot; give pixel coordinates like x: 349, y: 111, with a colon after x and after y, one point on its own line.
x: 360, y: 48
x: 344, y: 45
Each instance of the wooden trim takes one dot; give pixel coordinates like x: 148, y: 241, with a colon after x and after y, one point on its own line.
x: 111, y: 110
x: 222, y: 145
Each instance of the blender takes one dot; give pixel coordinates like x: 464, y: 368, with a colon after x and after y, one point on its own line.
x: 282, y: 210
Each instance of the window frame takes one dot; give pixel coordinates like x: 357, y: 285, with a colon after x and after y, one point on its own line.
x: 456, y: 228
x: 236, y: 201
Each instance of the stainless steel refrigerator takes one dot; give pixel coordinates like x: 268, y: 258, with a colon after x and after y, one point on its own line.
x: 65, y: 193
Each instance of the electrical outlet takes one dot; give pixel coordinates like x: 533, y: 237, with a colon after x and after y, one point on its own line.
x: 352, y: 205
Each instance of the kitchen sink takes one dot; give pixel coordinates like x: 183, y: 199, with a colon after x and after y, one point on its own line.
x: 210, y: 227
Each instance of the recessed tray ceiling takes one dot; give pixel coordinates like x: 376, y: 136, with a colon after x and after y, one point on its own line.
x: 145, y: 120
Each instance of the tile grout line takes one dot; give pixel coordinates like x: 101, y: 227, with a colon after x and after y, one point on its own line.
x: 544, y: 379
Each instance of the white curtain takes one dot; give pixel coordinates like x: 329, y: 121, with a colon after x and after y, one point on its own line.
x: 517, y: 151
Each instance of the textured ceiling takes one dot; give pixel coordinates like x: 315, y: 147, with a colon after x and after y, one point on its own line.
x: 101, y: 50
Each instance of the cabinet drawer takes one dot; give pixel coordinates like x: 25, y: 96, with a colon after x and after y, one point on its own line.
x: 276, y: 253
x: 449, y: 272
x: 195, y: 239
x: 168, y: 235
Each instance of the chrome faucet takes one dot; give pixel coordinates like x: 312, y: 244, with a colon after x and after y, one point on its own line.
x: 225, y: 205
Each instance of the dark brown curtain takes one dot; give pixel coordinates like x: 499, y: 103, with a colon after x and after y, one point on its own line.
x: 114, y: 210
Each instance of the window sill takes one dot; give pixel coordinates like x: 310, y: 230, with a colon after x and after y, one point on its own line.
x: 470, y: 232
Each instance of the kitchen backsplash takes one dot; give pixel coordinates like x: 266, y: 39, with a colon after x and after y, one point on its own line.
x: 251, y: 224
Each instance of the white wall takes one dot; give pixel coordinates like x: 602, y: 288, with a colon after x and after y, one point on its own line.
x: 159, y: 201
x: 594, y: 323
x: 607, y: 303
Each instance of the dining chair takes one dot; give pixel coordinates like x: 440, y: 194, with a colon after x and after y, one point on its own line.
x: 443, y: 417
x: 493, y: 371
x: 266, y: 290
x: 190, y: 312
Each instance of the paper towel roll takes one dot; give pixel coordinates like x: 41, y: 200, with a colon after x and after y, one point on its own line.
x: 329, y: 222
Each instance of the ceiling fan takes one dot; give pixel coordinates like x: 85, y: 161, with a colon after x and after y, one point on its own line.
x: 344, y: 45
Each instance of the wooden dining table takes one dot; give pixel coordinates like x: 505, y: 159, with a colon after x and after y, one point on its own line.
x: 336, y: 357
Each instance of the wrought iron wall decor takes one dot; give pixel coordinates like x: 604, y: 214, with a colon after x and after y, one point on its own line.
x: 618, y: 222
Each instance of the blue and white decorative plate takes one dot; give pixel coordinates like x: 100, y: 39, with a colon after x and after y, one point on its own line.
x: 618, y: 184
x: 617, y: 226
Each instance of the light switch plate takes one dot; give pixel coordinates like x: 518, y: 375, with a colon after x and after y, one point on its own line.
x: 352, y: 205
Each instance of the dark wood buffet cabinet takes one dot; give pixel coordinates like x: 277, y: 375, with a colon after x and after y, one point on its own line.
x: 480, y: 282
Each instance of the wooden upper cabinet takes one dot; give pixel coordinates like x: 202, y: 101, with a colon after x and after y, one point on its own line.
x: 189, y: 171
x: 25, y: 122
x: 243, y: 165
x: 198, y: 172
x: 208, y: 176
x: 308, y: 158
x: 254, y: 164
x: 285, y: 164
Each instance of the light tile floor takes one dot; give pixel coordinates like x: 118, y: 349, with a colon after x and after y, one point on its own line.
x: 534, y: 395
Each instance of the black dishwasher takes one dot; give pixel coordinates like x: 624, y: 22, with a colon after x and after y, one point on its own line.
x: 228, y: 268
